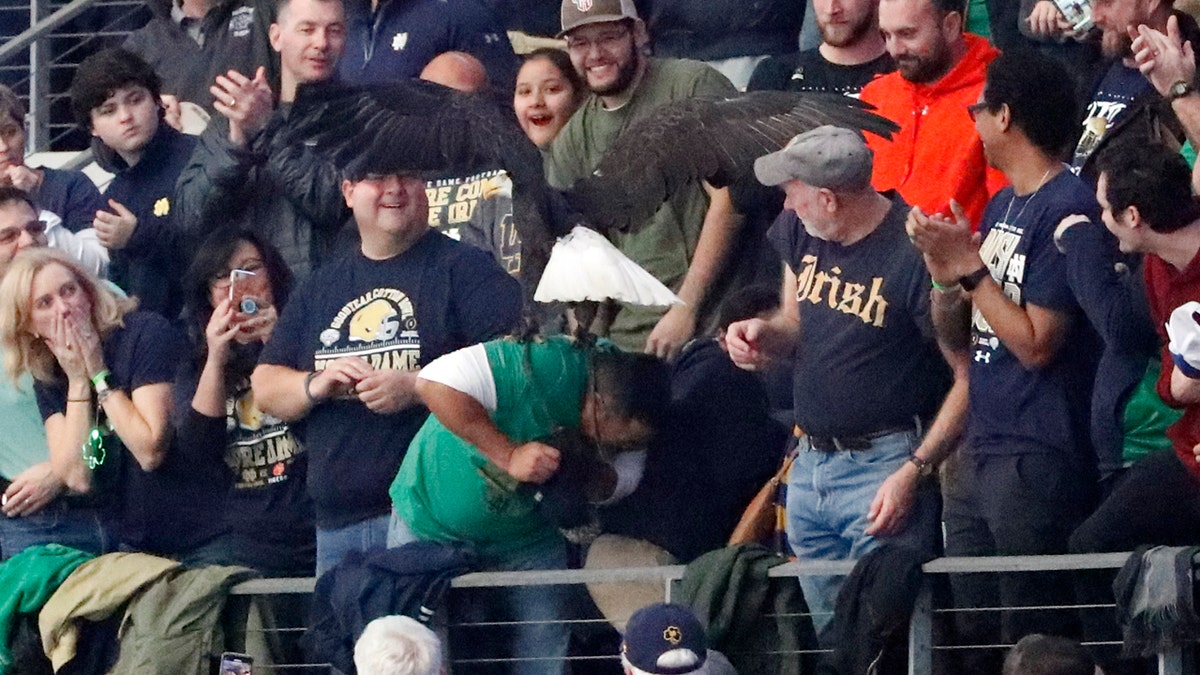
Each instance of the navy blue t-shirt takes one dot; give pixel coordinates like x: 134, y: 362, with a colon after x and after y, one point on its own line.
x: 397, y: 39
x: 1117, y: 89
x: 177, y: 506
x: 399, y: 314
x: 1014, y: 409
x: 867, y: 359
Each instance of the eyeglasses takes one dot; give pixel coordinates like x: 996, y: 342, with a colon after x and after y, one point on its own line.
x: 976, y: 108
x: 224, y: 281
x: 604, y: 41
x: 34, y: 228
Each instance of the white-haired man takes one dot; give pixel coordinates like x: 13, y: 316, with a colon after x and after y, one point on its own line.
x: 398, y: 645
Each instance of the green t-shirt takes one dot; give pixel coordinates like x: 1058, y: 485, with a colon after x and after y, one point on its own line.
x: 665, y: 244
x: 446, y: 490
x: 23, y: 442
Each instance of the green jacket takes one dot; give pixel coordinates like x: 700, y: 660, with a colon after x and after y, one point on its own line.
x: 754, y: 620
x: 174, y: 624
x: 29, y: 579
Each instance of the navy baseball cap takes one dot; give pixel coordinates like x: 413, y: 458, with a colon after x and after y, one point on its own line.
x: 665, y: 639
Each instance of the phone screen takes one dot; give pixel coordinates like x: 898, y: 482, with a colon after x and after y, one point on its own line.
x: 233, y: 663
x: 238, y: 292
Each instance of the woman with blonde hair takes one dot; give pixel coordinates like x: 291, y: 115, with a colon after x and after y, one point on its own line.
x: 103, y: 374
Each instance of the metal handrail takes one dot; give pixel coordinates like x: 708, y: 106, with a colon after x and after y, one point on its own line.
x: 35, y: 32
x: 921, y: 645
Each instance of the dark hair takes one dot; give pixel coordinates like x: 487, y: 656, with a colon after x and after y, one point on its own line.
x: 747, y: 303
x: 1151, y: 177
x: 1040, y: 95
x: 562, y: 61
x: 638, y: 386
x: 1039, y: 654
x: 101, y: 74
x: 10, y: 194
x: 947, y: 6
x: 11, y: 106
x: 211, y: 258
x: 280, y: 5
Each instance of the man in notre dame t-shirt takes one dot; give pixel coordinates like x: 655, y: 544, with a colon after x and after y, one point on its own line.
x: 347, y: 349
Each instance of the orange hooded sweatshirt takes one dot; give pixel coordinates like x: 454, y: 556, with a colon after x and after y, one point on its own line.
x: 936, y: 155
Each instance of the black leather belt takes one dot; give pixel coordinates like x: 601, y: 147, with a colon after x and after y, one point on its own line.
x: 863, y: 442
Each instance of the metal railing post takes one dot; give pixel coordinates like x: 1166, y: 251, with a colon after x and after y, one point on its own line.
x: 37, y: 122
x: 920, y: 632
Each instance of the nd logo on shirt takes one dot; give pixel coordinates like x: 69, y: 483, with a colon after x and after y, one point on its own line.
x: 379, y: 326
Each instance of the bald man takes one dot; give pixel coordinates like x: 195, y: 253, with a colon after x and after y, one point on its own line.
x: 457, y: 70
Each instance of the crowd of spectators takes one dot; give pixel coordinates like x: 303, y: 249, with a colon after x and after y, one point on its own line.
x: 986, y: 338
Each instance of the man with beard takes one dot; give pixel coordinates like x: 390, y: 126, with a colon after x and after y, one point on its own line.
x: 850, y: 55
x: 1124, y: 104
x: 937, y: 155
x: 687, y: 242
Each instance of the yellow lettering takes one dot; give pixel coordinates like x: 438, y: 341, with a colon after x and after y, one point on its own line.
x: 834, y: 283
x: 460, y: 212
x: 876, y: 305
x: 819, y: 281
x: 439, y: 196
x: 470, y: 190
x: 851, y: 298
x: 393, y: 360
x: 805, y: 278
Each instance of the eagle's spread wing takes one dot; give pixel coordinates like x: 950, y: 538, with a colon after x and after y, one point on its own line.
x: 716, y: 140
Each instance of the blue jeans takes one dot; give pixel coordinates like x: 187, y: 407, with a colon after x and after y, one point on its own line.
x: 82, y: 528
x: 546, y: 642
x: 828, y: 496
x: 365, y: 535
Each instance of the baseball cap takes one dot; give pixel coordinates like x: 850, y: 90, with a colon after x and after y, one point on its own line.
x: 665, y: 639
x: 576, y: 13
x: 828, y: 157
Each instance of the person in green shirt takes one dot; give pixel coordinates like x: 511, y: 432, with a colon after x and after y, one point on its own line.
x: 688, y: 242
x: 471, y: 472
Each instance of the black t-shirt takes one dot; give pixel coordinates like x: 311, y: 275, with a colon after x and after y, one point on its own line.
x: 267, y: 509
x: 717, y: 448
x: 1014, y: 409
x: 176, y: 507
x: 867, y: 359
x: 400, y: 314
x: 809, y: 71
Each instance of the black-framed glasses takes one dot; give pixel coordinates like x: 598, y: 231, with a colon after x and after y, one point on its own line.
x: 976, y: 108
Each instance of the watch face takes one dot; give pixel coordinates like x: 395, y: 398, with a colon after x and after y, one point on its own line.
x: 1180, y: 89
